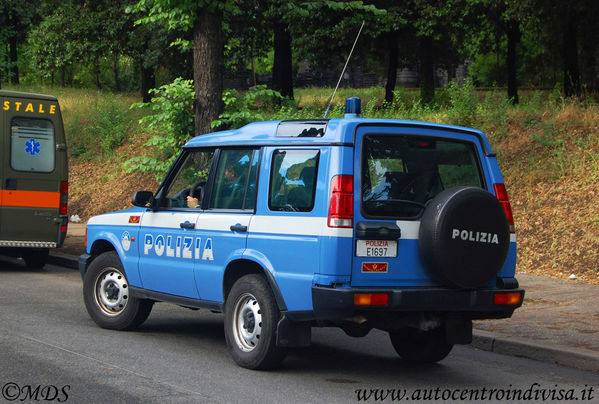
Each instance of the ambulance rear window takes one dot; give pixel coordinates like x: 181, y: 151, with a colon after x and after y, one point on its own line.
x: 32, y: 146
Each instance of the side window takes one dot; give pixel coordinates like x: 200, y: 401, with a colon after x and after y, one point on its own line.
x: 32, y: 146
x: 235, y: 181
x: 293, y: 180
x: 190, y: 180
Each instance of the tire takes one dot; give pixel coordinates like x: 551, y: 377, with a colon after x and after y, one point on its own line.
x: 35, y: 258
x: 106, y: 295
x: 464, y: 237
x: 251, y: 318
x: 418, y: 346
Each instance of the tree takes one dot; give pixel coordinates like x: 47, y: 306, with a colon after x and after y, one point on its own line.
x: 434, y: 22
x: 53, y: 45
x: 15, y: 17
x: 204, y: 18
x: 248, y: 37
x: 323, y: 31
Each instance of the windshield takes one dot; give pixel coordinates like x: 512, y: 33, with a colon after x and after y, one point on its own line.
x: 401, y: 173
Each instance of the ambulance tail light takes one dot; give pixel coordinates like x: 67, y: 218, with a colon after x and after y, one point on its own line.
x: 64, y: 195
x: 341, y: 204
x: 501, y: 194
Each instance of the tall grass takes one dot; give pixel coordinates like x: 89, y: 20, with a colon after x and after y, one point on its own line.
x: 95, y: 122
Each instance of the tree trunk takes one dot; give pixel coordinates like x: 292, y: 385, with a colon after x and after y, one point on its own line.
x: 589, y: 63
x: 570, y: 55
x: 392, y: 45
x: 14, y: 61
x: 62, y: 75
x: 513, y: 38
x: 97, y: 73
x: 115, y: 69
x: 208, y: 66
x: 148, y: 81
x: 282, y: 70
x: 427, y: 74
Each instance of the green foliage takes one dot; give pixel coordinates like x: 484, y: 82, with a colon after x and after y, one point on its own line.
x: 494, y: 114
x: 241, y: 109
x: 172, y: 119
x: 464, y: 103
x: 99, y: 130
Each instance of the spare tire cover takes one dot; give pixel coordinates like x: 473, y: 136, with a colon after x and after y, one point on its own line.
x: 464, y: 237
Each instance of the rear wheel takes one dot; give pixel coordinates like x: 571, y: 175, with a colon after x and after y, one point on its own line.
x: 251, y: 318
x: 35, y: 258
x: 107, y: 296
x: 415, y: 345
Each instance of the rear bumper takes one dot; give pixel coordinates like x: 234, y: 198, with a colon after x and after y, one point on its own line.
x: 330, y: 303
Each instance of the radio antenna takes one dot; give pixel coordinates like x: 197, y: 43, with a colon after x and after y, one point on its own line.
x: 343, y: 71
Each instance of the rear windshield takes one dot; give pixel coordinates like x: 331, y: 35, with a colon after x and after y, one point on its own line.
x: 32, y: 146
x: 400, y: 173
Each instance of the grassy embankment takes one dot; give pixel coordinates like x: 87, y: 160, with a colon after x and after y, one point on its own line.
x: 547, y: 148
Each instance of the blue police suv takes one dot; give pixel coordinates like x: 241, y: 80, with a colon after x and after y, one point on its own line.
x: 283, y: 226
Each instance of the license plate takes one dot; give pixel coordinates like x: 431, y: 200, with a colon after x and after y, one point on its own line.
x: 376, y: 248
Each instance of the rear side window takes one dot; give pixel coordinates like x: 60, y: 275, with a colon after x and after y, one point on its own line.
x: 401, y: 173
x: 32, y: 146
x: 293, y: 180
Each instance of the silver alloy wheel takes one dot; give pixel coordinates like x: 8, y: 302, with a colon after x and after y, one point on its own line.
x: 111, y: 291
x: 247, y: 322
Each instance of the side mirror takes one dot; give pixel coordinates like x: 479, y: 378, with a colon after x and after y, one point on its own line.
x: 142, y: 198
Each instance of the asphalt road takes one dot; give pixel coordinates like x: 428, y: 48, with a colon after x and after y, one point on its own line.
x: 47, y: 340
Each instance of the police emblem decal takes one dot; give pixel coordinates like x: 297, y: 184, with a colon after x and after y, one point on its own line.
x: 126, y: 241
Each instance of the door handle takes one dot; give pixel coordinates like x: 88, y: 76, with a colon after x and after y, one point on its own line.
x: 11, y: 183
x: 187, y: 225
x: 240, y: 228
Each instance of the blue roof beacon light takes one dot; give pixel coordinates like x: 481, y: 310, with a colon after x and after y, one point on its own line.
x: 353, y: 107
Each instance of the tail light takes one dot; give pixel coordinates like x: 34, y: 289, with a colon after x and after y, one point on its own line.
x: 512, y: 298
x: 341, y: 205
x: 501, y: 194
x: 371, y: 299
x: 64, y: 195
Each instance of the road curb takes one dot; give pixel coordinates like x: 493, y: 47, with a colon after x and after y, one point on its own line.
x: 577, y: 358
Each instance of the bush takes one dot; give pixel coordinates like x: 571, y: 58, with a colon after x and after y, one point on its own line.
x: 241, y: 109
x: 464, y: 103
x: 172, y: 118
x: 99, y: 130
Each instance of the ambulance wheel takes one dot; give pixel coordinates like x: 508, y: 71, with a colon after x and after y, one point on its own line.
x: 107, y: 296
x: 251, y: 318
x: 36, y: 258
x: 419, y: 346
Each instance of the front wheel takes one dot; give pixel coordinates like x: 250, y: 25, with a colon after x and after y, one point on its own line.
x: 415, y: 345
x: 251, y: 318
x: 107, y: 296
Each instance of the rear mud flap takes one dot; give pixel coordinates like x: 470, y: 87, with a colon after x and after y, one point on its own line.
x: 291, y: 334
